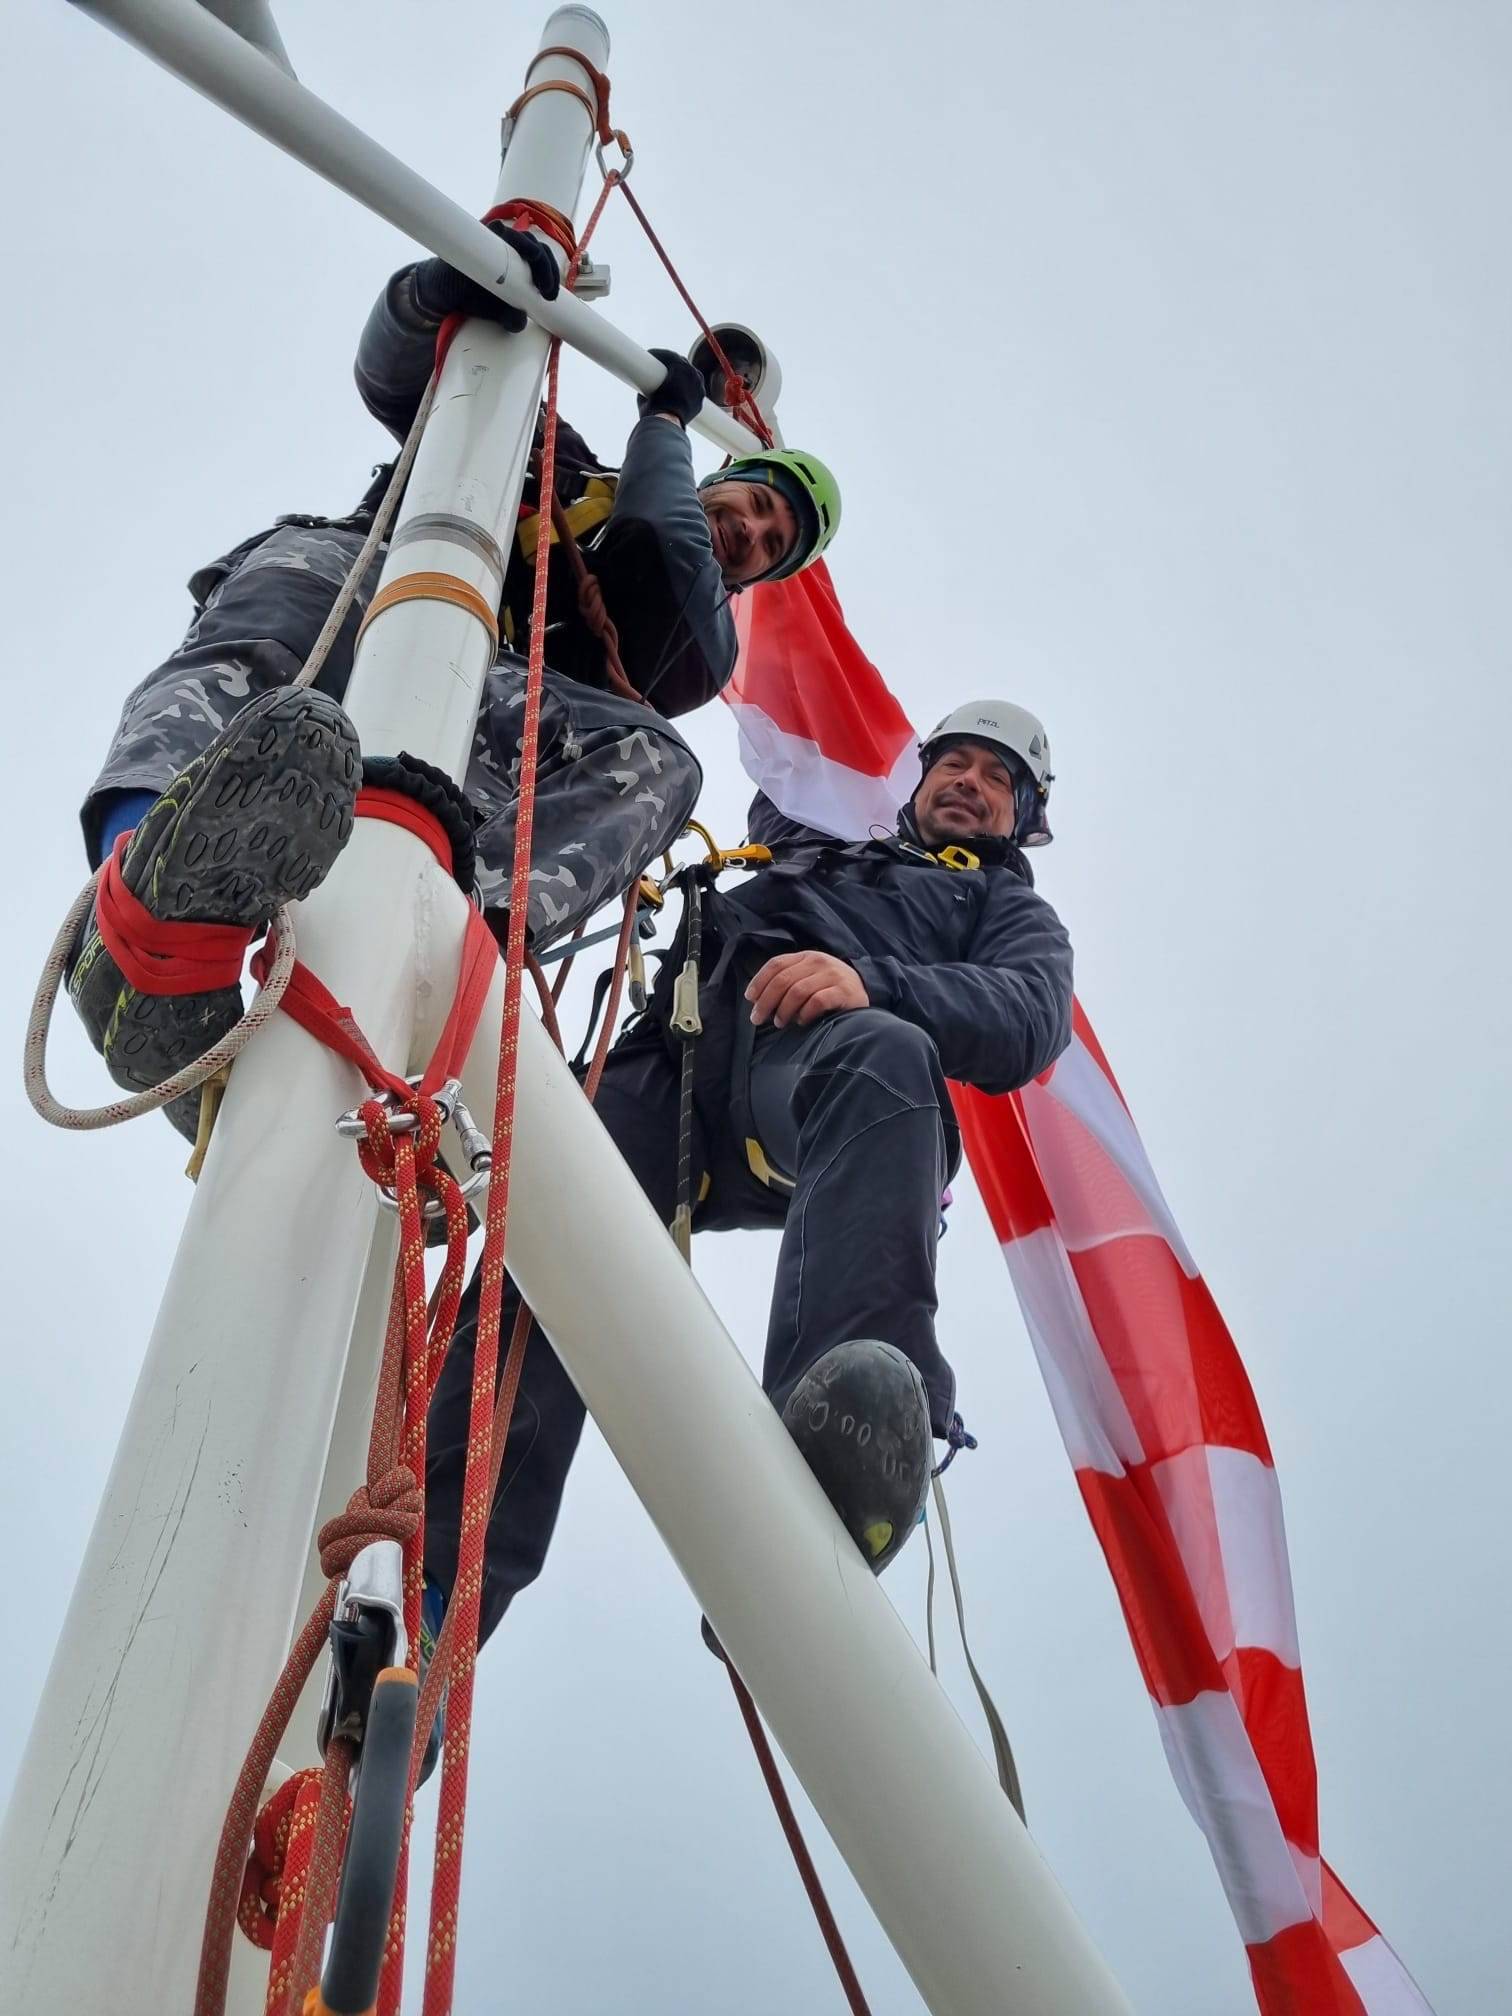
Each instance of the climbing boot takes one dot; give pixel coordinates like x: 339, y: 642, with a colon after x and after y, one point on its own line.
x: 860, y: 1416
x: 254, y: 822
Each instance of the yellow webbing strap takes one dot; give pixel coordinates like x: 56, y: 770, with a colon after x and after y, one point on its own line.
x: 763, y: 1171
x: 591, y: 509
x: 211, y: 1093
x: 424, y: 587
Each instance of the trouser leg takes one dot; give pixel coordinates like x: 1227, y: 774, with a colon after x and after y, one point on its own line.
x: 615, y: 787
x: 637, y: 1102
x: 856, y: 1109
x: 252, y: 634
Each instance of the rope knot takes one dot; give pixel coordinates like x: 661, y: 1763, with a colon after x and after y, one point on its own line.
x: 388, y: 1507
x: 262, y: 1884
x: 382, y: 1151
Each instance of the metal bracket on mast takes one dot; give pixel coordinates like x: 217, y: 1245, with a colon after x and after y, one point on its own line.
x: 592, y: 282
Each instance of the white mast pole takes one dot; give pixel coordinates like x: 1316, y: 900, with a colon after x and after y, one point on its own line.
x: 964, y: 1895
x: 184, y: 1604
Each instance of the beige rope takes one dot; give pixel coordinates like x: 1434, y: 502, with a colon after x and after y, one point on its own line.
x: 85, y: 1119
x: 320, y: 650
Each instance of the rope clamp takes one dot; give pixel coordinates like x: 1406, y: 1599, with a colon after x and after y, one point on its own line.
x: 685, y: 1018
x: 477, y: 1149
x: 367, y: 1635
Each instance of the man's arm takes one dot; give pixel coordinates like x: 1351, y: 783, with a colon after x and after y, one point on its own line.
x: 396, y: 354
x: 397, y: 349
x: 661, y: 581
x: 1002, y: 1016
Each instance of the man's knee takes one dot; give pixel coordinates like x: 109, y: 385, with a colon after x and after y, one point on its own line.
x: 884, y: 1046
x: 676, y: 780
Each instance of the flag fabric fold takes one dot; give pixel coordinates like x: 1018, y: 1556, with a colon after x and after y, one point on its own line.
x: 1147, y: 1387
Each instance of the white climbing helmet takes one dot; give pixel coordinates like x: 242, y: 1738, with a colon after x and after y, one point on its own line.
x: 1022, y: 734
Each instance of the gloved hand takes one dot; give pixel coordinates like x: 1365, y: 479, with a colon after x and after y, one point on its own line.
x: 681, y: 393
x: 440, y: 290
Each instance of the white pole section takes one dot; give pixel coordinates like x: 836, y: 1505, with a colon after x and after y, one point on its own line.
x: 211, y: 57
x: 913, y: 1806
x: 183, y: 1610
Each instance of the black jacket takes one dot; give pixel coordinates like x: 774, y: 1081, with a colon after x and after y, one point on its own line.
x: 652, y: 551
x: 973, y: 956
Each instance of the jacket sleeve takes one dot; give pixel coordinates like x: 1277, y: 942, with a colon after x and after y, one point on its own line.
x: 661, y: 581
x: 1002, y: 1015
x: 395, y: 355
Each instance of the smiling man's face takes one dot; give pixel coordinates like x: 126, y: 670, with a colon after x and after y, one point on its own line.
x: 967, y: 789
x: 752, y: 525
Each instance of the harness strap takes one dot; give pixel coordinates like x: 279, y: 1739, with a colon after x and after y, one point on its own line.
x: 158, y: 955
x: 591, y: 509
x: 397, y: 808
x: 597, y: 106
x: 317, y: 1011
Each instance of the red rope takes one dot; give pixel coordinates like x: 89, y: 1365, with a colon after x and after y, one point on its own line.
x: 482, y: 1454
x: 299, y: 1887
x: 523, y: 213
x: 806, y: 1870
x: 514, y: 1362
x: 738, y: 395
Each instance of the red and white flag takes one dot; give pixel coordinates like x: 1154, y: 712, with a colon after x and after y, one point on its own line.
x: 1152, y: 1399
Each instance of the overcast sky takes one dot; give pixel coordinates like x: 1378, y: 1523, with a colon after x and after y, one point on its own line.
x: 1162, y: 353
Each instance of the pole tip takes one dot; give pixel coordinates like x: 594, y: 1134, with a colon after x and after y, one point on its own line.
x: 565, y: 20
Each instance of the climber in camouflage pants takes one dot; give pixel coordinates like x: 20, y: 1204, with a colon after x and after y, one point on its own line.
x: 616, y: 783
x: 225, y: 794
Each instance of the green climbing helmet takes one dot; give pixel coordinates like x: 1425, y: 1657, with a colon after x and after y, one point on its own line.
x: 807, y: 485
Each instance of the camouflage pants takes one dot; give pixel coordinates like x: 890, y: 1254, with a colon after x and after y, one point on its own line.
x: 615, y: 786
x: 616, y: 783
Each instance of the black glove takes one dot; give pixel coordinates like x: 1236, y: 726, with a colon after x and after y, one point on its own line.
x: 440, y: 290
x: 681, y: 393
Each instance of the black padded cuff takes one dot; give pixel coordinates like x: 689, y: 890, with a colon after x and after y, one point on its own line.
x: 443, y: 799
